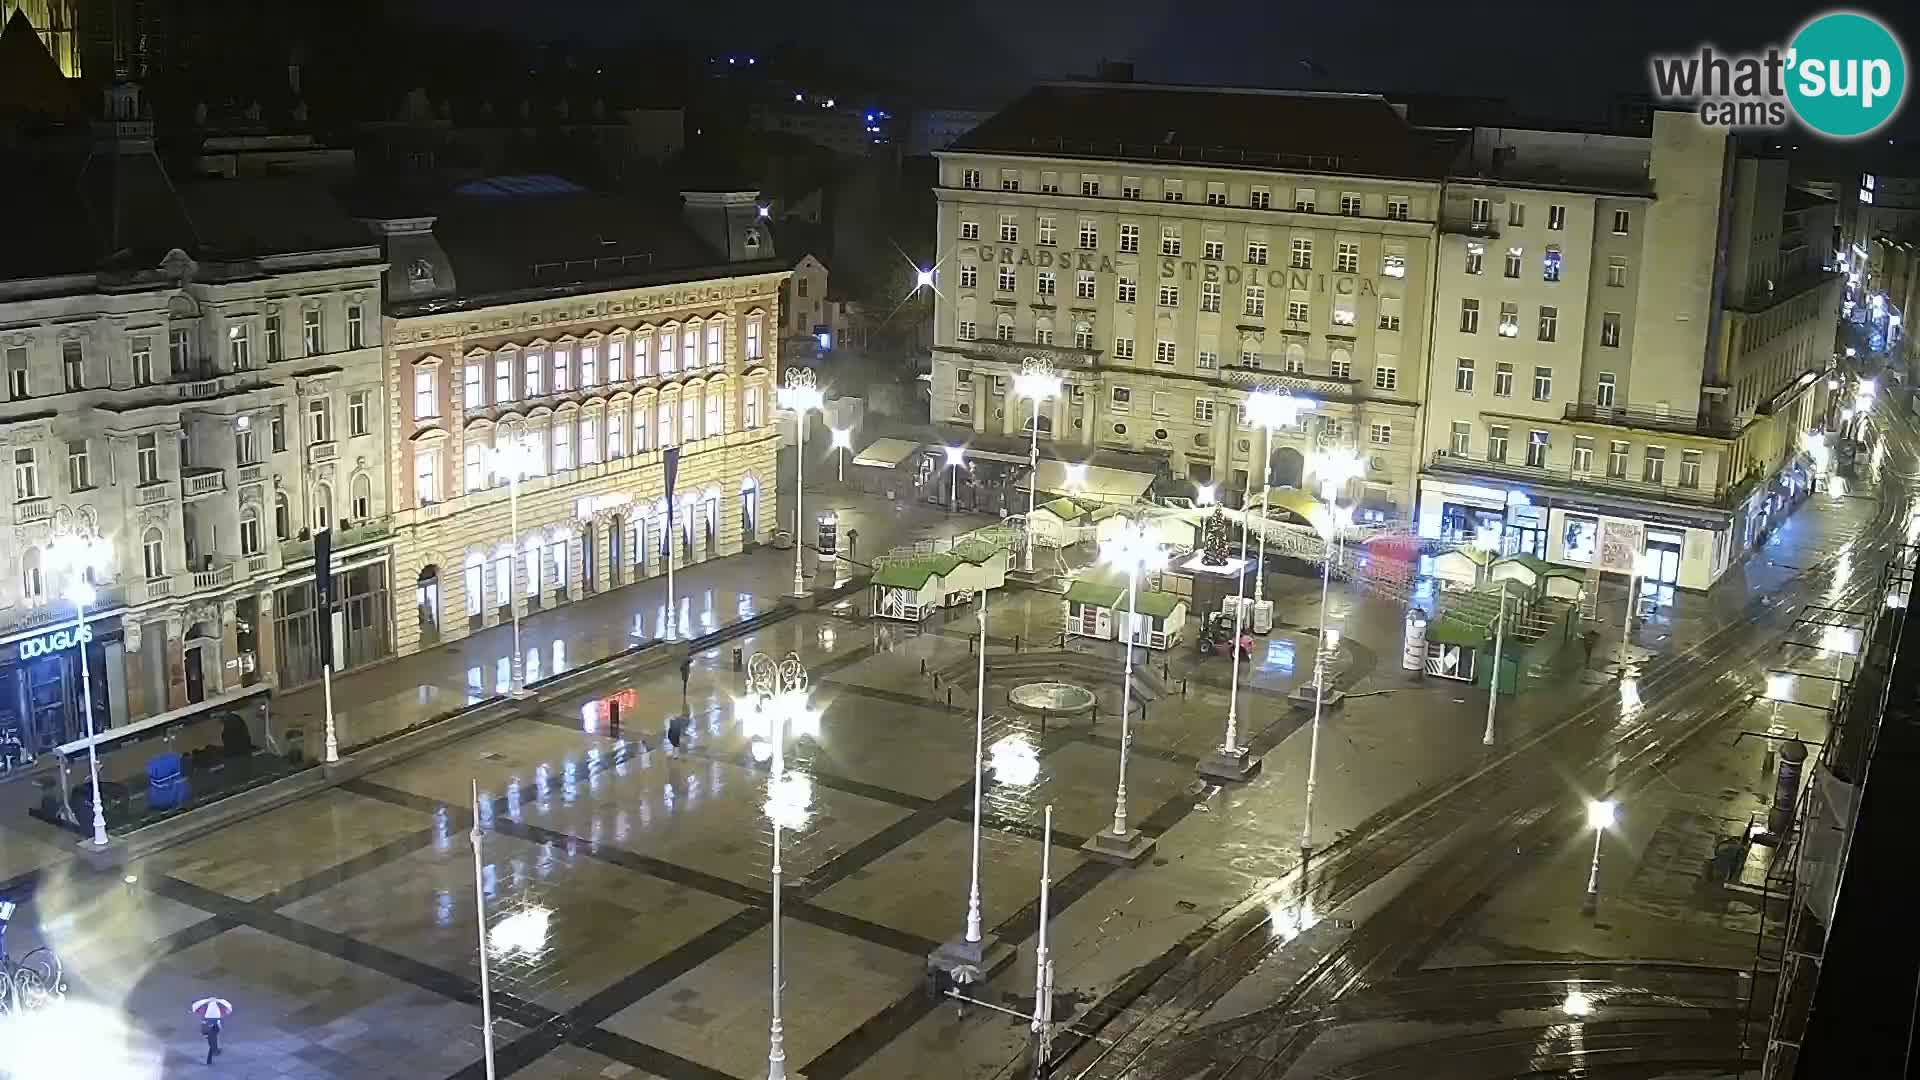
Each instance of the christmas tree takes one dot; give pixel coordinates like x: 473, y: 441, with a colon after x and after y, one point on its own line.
x: 1213, y: 540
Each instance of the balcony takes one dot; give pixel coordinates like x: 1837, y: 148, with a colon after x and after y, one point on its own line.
x: 196, y: 482
x: 159, y: 588
x: 322, y: 451
x: 1445, y: 461
x: 156, y: 492
x: 1013, y: 352
x: 29, y: 510
x: 219, y: 573
x: 293, y: 551
x: 1642, y: 419
x: 27, y: 616
x: 250, y: 474
x: 1468, y: 225
x: 259, y: 564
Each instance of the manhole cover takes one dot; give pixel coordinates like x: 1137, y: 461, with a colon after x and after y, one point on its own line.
x: 1051, y: 697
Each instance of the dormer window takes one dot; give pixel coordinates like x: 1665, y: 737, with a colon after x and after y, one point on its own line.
x: 420, y: 274
x: 753, y: 240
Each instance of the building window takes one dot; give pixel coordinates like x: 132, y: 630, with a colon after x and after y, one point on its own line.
x: 1008, y: 281
x: 668, y: 353
x: 73, y: 365
x: 1303, y: 200
x: 1469, y: 316
x: 1209, y: 296
x: 590, y: 433
x: 1083, y: 288
x: 1482, y: 212
x: 1514, y: 257
x: 1503, y: 380
x: 357, y: 413
x: 1509, y: 319
x: 1129, y: 237
x: 18, y: 386
x: 1203, y: 410
x: 1294, y: 364
x: 1298, y: 311
x: 1656, y: 465
x: 250, y: 538
x: 1165, y: 353
x: 474, y: 466
x: 1009, y: 180
x: 312, y: 339
x: 1461, y: 443
x: 1089, y: 235
x: 1610, y: 329
x: 617, y: 351
x: 1543, y: 384
x: 322, y: 506
x: 1250, y: 356
x: 1129, y: 187
x: 1346, y: 258
x: 1386, y: 378
x: 1350, y: 204
x: 1302, y: 253
x: 639, y: 429
x: 1582, y: 453
x: 142, y: 350
x: 79, y: 466
x: 1556, y: 217
x: 1380, y: 434
x: 1476, y: 258
x: 503, y: 378
x: 1255, y: 302
x: 1257, y: 252
x: 532, y: 367
x: 1216, y: 194
x: 563, y: 365
x: 473, y: 387
x: 1603, y: 392
x: 616, y: 433
x: 1550, y: 265
x: 1213, y: 250
x: 1463, y: 375
x: 1009, y: 229
x: 1616, y: 272
x: 970, y: 179
x: 1123, y: 348
x: 277, y: 429
x: 319, y: 420
x: 1341, y: 366
x: 356, y: 326
x: 1128, y: 290
x: 246, y: 447
x: 1496, y: 443
x: 153, y: 558
x: 969, y: 277
x: 1537, y: 449
x: 1046, y: 229
x: 1260, y: 198
x: 1169, y: 239
x: 590, y: 365
x: 969, y: 230
x: 1003, y: 328
x: 1617, y: 460
x: 1516, y: 214
x: 1043, y: 283
x: 1206, y: 360
x: 967, y: 330
x: 1173, y: 191
x: 1398, y: 208
x: 1343, y: 311
x: 1621, y: 221
x: 1169, y: 296
x: 146, y: 457
x: 1122, y: 399
x: 1549, y: 322
x: 425, y: 403
x: 179, y: 351
x: 1690, y: 468
x: 270, y: 339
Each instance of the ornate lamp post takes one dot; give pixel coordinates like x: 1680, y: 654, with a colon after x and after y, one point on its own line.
x: 1600, y: 817
x: 1266, y: 410
x: 84, y: 557
x: 842, y: 442
x: 800, y: 396
x: 1328, y: 520
x: 1037, y: 383
x: 514, y: 459
x: 1135, y: 552
x: 776, y: 705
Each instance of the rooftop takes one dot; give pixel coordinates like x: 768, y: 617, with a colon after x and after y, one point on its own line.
x: 1359, y: 134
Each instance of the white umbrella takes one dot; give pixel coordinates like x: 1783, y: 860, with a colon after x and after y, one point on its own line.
x: 213, y: 1008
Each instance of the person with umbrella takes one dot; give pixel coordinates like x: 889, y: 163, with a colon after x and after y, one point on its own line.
x: 212, y: 1010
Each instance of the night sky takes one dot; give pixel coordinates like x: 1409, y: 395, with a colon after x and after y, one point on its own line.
x: 1560, y: 57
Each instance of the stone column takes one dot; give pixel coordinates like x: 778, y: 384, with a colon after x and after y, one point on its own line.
x: 228, y: 678
x: 980, y: 382
x: 175, y: 654
x: 1062, y: 425
x: 1223, y: 450
x: 266, y: 650
x: 1086, y: 415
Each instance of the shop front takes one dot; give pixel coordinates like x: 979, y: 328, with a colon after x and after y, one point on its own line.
x: 362, y: 624
x: 1466, y: 513
x: 41, y: 693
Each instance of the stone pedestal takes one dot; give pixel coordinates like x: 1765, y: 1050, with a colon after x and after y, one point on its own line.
x: 1226, y: 768
x: 1128, y: 850
x: 1330, y: 698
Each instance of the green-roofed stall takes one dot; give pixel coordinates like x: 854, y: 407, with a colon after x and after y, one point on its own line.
x: 1096, y: 607
x: 912, y: 587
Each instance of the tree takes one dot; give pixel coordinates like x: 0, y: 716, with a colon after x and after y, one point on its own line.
x: 1213, y: 540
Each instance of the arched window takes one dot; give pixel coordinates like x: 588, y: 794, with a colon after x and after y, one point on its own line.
x: 282, y: 516
x: 250, y: 530
x: 322, y: 505
x: 33, y: 581
x: 153, y: 554
x: 362, y: 494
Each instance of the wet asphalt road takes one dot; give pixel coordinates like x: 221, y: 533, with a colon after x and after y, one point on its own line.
x: 1492, y: 827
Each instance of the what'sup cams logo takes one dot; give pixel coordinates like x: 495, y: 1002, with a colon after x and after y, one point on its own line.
x: 1843, y: 76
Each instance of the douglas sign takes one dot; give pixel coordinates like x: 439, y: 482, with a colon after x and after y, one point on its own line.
x: 48, y: 644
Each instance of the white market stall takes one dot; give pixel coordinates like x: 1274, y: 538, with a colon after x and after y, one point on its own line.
x: 1096, y: 607
x: 910, y: 588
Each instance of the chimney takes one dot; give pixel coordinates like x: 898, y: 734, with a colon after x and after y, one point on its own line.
x: 730, y: 222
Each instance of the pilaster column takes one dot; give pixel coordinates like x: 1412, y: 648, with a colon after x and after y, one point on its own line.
x: 266, y: 651
x: 980, y: 383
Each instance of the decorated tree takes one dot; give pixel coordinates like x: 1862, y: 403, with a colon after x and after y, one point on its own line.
x: 1213, y: 540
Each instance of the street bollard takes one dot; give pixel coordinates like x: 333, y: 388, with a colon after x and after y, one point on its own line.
x: 923, y: 665
x: 1016, y: 643
x: 1183, y: 686
x: 949, y: 697
x: 969, y: 646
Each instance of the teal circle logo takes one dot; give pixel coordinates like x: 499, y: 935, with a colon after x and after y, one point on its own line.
x: 1846, y: 75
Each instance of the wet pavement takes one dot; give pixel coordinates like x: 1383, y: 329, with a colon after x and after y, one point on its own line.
x: 626, y: 879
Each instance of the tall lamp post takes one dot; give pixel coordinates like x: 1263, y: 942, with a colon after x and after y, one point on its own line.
x: 83, y: 557
x: 800, y: 396
x: 515, y: 459
x: 1328, y: 519
x: 480, y: 916
x: 1600, y: 817
x: 1266, y: 410
x: 1037, y: 383
x: 777, y: 704
x: 1134, y: 551
x: 1493, y: 681
x: 842, y: 442
x: 1230, y: 760
x: 956, y: 457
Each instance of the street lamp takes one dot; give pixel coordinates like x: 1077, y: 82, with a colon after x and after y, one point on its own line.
x: 799, y: 396
x: 1134, y: 551
x: 842, y: 441
x: 1037, y: 383
x: 1266, y: 410
x: 1493, y: 680
x: 1600, y: 818
x: 1076, y: 475
x: 1328, y: 519
x: 922, y: 278
x: 480, y: 916
x: 777, y: 704
x: 516, y: 459
x: 1335, y: 467
x: 1204, y: 495
x: 1231, y: 761
x: 1644, y: 566
x: 83, y: 557
x: 956, y: 457
x: 967, y: 951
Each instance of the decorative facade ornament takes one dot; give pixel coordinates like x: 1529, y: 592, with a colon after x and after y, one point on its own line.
x: 265, y: 601
x: 229, y: 613
x: 130, y: 633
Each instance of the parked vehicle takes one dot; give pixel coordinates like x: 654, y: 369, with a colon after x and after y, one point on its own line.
x: 1217, y: 631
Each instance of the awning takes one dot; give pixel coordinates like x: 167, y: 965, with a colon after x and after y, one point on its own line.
x: 886, y: 453
x: 1100, y: 483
